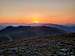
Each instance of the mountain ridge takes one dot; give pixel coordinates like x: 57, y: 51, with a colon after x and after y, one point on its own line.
x: 67, y: 28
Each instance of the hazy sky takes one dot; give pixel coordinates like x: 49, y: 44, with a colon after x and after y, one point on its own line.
x: 41, y: 11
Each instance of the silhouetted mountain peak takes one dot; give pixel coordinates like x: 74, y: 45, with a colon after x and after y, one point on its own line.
x: 31, y: 28
x: 16, y: 32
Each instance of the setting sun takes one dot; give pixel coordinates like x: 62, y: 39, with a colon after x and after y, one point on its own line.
x: 35, y: 20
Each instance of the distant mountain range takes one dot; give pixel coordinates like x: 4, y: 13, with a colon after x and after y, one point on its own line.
x: 67, y: 28
x: 10, y: 32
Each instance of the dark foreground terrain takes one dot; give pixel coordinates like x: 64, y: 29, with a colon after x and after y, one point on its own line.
x: 46, y: 46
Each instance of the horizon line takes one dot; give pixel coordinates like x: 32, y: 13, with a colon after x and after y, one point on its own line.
x: 32, y: 24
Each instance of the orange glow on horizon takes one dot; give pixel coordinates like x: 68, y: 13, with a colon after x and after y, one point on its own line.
x: 37, y: 20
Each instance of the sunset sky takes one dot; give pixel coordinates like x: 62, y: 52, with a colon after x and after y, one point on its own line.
x: 37, y: 11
